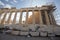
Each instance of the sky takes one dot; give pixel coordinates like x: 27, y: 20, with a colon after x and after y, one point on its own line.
x: 32, y: 3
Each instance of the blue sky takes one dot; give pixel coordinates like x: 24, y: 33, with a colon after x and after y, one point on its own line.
x: 29, y: 3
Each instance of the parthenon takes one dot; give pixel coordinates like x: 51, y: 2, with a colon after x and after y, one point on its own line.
x: 40, y: 23
x: 40, y: 15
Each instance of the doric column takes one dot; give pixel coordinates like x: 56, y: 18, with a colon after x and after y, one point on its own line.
x: 0, y: 18
x: 20, y: 20
x: 14, y: 20
x: 2, y: 22
x: 33, y: 17
x: 40, y: 17
x: 51, y: 22
x: 27, y: 18
x: 47, y: 18
x: 52, y: 17
x: 9, y: 18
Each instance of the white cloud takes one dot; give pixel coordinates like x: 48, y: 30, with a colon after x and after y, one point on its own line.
x: 11, y: 2
x: 7, y: 6
x: 7, y: 0
x: 1, y: 3
x: 15, y: 1
x: 22, y: 0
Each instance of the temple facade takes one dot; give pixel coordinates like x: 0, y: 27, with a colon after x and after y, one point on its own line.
x: 40, y: 23
x: 40, y: 15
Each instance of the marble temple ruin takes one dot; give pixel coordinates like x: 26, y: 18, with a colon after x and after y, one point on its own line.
x: 41, y: 21
x: 44, y: 15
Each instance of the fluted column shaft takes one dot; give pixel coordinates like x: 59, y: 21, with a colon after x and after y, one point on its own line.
x: 0, y: 18
x: 51, y: 22
x: 40, y: 17
x: 27, y: 18
x: 33, y: 17
x: 20, y: 20
x: 47, y: 18
x: 14, y: 20
x: 2, y: 22
x: 9, y: 18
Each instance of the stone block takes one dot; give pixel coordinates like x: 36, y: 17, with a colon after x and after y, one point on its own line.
x: 43, y: 33
x: 51, y: 34
x: 23, y: 33
x: 32, y: 27
x: 34, y: 33
x: 57, y: 33
x: 1, y: 26
x: 15, y: 32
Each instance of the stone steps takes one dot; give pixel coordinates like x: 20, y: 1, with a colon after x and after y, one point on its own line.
x: 25, y: 33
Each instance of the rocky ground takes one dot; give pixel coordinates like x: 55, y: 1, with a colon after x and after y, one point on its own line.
x: 12, y: 37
